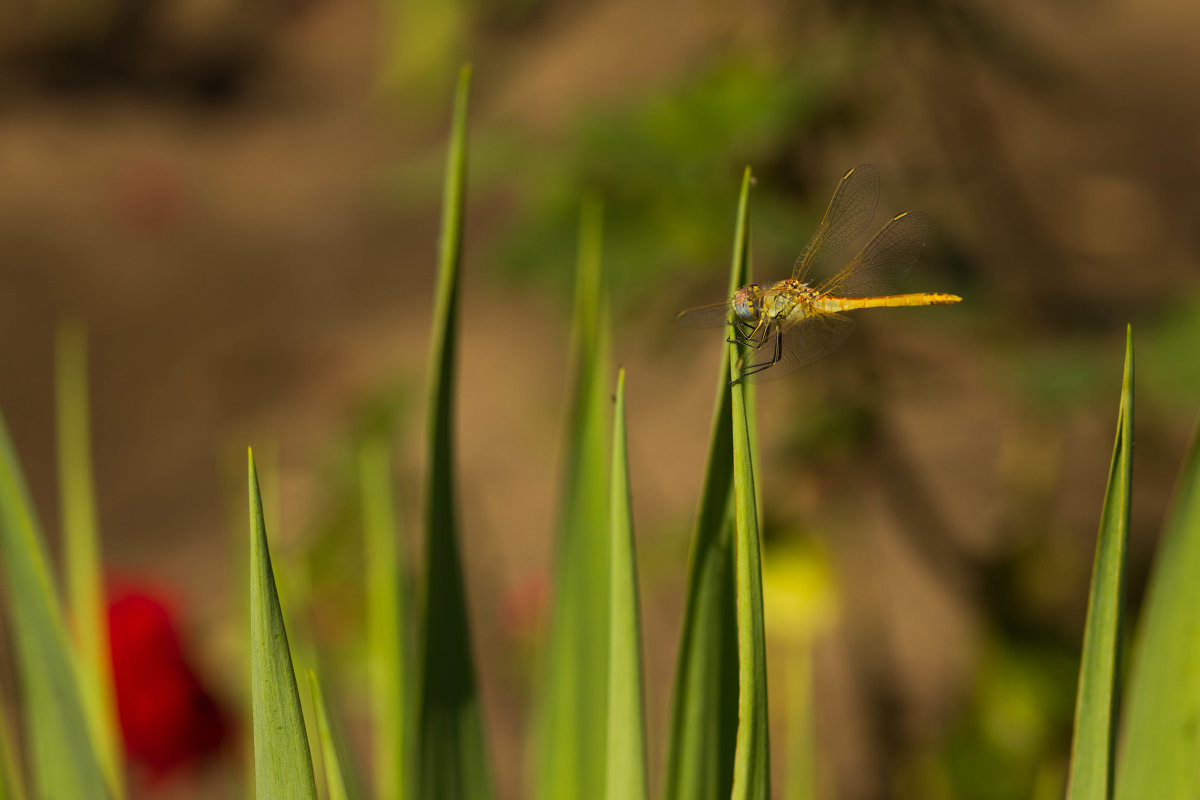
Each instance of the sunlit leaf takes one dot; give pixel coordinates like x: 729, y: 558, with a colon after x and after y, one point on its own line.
x: 570, y: 734
x: 64, y: 761
x: 752, y: 759
x: 81, y: 553
x: 1097, y: 701
x: 704, y: 707
x: 1161, y: 746
x: 452, y: 759
x: 337, y: 780
x: 387, y: 626
x: 625, y: 778
x: 282, y: 761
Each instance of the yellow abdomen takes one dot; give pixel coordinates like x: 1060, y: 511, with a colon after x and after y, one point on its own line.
x: 835, y: 304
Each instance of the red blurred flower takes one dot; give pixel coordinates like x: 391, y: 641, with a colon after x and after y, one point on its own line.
x: 168, y: 719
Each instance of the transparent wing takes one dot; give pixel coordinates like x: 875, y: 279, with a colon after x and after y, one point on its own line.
x: 850, y: 212
x: 809, y: 340
x: 884, y: 263
x: 710, y: 316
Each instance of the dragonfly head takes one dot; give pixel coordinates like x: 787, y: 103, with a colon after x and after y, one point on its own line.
x: 747, y: 302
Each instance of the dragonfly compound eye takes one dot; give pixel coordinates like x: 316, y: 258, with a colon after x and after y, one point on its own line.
x: 745, y: 303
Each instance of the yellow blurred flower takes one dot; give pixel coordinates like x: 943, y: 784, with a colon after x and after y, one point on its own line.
x: 799, y: 591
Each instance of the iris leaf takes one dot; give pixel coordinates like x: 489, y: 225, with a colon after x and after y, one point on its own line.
x: 752, y: 758
x: 81, y: 551
x: 1093, y: 748
x: 64, y: 760
x: 570, y: 734
x: 626, y: 750
x: 1162, y: 741
x: 452, y: 760
x: 337, y: 780
x: 387, y: 629
x: 704, y: 708
x: 282, y: 761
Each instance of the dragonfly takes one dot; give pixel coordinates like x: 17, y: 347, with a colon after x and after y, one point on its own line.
x: 800, y: 319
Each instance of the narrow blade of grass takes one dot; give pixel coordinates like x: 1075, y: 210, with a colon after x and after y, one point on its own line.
x: 387, y: 641
x: 81, y: 550
x: 570, y: 739
x: 65, y: 762
x: 752, y: 758
x: 704, y: 705
x: 1162, y: 741
x: 626, y: 750
x: 452, y: 761
x: 282, y: 761
x: 1097, y: 701
x: 338, y: 783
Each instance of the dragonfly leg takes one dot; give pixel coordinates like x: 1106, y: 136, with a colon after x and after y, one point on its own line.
x: 740, y: 336
x: 747, y: 371
x: 753, y: 339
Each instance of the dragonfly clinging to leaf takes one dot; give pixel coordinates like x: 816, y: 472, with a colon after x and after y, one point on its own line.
x: 798, y: 320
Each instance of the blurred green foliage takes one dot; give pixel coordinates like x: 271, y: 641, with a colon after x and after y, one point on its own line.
x: 1020, y: 708
x: 663, y: 161
x: 659, y: 161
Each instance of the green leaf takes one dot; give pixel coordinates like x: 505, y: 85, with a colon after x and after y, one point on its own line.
x: 337, y: 779
x: 282, y: 762
x: 452, y: 761
x: 1162, y: 740
x: 1092, y: 751
x: 81, y: 550
x: 704, y: 705
x: 390, y: 656
x: 572, y: 714
x: 626, y: 751
x: 752, y: 759
x: 65, y: 763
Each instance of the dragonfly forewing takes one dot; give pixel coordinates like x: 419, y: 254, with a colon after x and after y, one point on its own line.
x: 849, y: 213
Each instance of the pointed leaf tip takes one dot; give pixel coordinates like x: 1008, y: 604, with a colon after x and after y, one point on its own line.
x: 282, y: 761
x: 1092, y: 766
x: 451, y: 757
x: 625, y: 774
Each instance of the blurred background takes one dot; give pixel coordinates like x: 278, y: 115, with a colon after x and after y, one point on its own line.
x: 240, y: 202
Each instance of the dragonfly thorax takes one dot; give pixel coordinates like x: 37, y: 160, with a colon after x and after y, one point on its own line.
x: 789, y: 299
x: 747, y: 302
